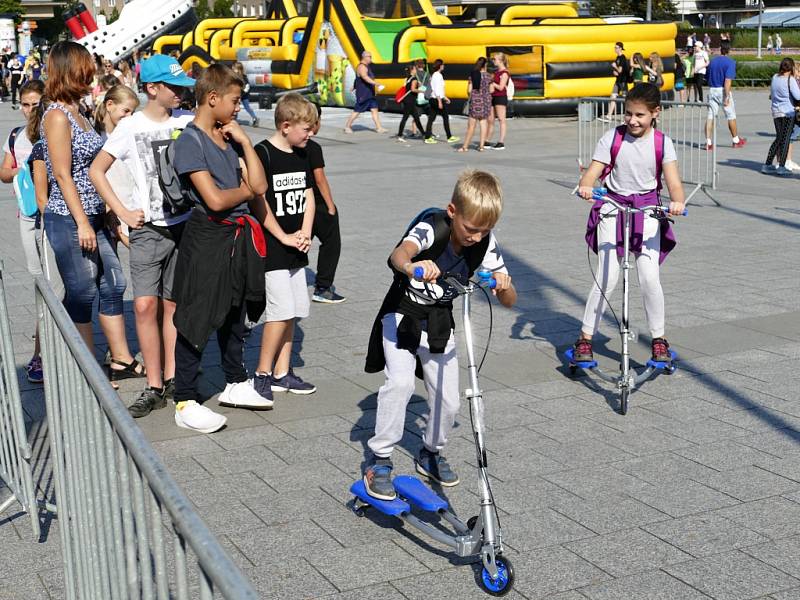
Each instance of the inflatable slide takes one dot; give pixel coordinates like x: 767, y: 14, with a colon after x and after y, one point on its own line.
x: 138, y: 26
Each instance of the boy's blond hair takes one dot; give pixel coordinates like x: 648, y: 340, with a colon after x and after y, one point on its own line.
x: 294, y: 108
x: 215, y: 78
x: 479, y: 198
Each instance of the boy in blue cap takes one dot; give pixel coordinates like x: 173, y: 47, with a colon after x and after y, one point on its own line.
x: 155, y: 230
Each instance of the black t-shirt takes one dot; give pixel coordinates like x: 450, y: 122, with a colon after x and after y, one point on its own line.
x: 313, y: 154
x: 288, y: 178
x: 624, y: 73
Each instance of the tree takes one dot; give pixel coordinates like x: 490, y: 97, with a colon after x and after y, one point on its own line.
x: 113, y: 16
x: 222, y: 8
x: 201, y: 10
x: 663, y: 10
x: 12, y: 7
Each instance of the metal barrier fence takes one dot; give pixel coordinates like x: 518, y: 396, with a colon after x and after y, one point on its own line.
x: 15, y: 451
x: 683, y: 122
x: 127, y: 530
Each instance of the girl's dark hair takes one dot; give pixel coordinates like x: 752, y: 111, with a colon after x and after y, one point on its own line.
x: 480, y: 63
x: 33, y: 127
x: 35, y: 86
x: 109, y: 81
x: 646, y: 93
x: 787, y: 66
x: 437, y: 64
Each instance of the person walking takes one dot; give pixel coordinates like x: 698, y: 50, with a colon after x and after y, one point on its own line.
x: 409, y: 102
x: 778, y: 44
x: 438, y: 105
x: 700, y: 67
x: 720, y: 75
x: 769, y: 44
x: 365, y: 86
x: 480, y: 103
x: 238, y: 68
x: 785, y: 94
x: 17, y: 74
x: 620, y: 68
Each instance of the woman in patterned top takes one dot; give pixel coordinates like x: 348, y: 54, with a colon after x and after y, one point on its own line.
x: 75, y: 216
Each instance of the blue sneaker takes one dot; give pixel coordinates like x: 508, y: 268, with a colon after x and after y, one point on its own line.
x: 34, y: 369
x: 263, y: 385
x: 293, y: 384
x: 435, y: 466
x: 378, y: 479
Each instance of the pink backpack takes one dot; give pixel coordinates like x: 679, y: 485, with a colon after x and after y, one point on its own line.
x: 616, y: 144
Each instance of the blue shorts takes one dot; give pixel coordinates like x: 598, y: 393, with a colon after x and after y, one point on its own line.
x: 365, y: 105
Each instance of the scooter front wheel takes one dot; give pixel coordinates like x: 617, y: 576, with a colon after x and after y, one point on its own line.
x: 624, y: 393
x: 504, y: 581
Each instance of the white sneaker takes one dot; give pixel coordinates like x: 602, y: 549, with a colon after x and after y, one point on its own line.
x: 244, y: 395
x: 197, y: 417
x: 792, y: 166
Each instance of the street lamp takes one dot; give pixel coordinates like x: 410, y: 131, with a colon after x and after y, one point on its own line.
x: 760, y: 12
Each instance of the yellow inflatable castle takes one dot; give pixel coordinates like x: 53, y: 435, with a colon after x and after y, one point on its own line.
x: 555, y: 57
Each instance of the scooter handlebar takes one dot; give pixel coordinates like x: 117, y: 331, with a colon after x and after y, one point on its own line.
x: 486, y: 277
x: 601, y: 194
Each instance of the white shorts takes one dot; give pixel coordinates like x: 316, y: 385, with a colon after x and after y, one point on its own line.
x: 287, y: 295
x: 715, y: 101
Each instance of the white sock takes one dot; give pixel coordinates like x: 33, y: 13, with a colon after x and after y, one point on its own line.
x: 708, y: 141
x: 736, y: 140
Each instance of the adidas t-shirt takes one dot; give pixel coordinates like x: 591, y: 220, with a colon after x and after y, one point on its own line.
x: 422, y: 236
x: 288, y: 178
x: 137, y: 142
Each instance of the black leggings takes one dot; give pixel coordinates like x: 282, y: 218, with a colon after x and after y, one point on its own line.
x: 432, y: 112
x: 410, y: 109
x: 699, y: 79
x: 780, y: 146
x: 326, y: 230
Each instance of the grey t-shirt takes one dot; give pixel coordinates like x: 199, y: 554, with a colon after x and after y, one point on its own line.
x: 199, y: 153
x: 634, y: 170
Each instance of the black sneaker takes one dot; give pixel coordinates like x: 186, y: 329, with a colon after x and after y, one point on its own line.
x: 499, y: 146
x: 582, y: 351
x: 327, y: 296
x: 169, y: 390
x: 149, y: 400
x: 378, y: 479
x: 435, y: 466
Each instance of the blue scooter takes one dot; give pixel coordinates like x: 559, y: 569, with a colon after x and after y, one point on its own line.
x: 480, y: 535
x: 628, y: 379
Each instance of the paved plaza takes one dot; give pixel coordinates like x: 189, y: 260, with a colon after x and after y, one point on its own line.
x: 694, y: 494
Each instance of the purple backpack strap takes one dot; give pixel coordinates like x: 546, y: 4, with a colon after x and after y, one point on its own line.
x: 616, y: 144
x: 659, y: 143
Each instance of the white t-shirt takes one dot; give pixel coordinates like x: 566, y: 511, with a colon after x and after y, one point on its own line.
x: 137, y: 142
x: 437, y: 86
x: 22, y: 150
x: 634, y: 170
x: 422, y: 236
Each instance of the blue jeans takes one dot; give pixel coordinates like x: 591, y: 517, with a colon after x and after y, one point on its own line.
x: 248, y: 109
x: 86, y: 273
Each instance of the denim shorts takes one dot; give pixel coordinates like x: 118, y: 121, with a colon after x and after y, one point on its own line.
x: 86, y: 273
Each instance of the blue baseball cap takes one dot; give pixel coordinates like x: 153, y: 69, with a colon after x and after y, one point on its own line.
x: 161, y: 68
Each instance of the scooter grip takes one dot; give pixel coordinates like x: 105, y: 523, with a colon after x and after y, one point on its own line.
x: 685, y: 212
x: 418, y: 272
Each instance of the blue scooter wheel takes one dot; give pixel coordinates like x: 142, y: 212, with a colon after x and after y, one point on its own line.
x: 504, y: 581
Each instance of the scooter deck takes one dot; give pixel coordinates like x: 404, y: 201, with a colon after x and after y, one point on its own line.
x: 393, y: 508
x: 419, y: 494
x: 588, y: 364
x: 657, y: 364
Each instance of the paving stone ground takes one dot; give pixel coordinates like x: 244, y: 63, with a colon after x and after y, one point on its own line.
x: 694, y: 494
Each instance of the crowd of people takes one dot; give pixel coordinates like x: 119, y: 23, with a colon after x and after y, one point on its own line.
x: 424, y: 94
x: 219, y: 228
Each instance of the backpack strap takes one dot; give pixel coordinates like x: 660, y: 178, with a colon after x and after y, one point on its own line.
x: 12, y: 140
x: 441, y: 235
x: 616, y: 144
x: 658, y: 141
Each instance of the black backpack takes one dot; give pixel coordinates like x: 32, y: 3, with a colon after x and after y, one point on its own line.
x: 174, y: 187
